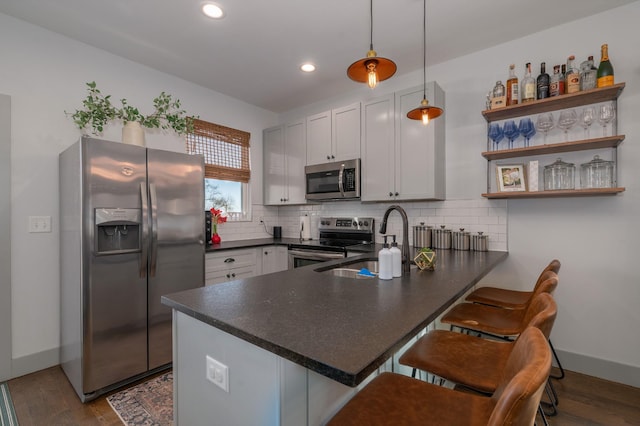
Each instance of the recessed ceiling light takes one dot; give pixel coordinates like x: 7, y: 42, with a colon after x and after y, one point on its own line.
x: 212, y: 10
x: 308, y: 67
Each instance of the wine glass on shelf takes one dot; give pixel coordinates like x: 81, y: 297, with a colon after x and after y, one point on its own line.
x: 495, y: 134
x: 511, y: 132
x: 587, y: 116
x: 544, y: 124
x: 566, y: 121
x: 606, y: 114
x: 527, y: 129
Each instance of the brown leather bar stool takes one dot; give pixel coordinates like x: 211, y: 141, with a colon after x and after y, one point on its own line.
x: 471, y: 361
x: 506, y: 298
x: 513, y: 299
x: 394, y: 399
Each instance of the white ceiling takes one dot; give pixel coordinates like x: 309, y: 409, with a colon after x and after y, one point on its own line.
x: 254, y: 53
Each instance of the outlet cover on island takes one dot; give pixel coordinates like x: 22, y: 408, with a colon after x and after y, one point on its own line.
x: 218, y: 373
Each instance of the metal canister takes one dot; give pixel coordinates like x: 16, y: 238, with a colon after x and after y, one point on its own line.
x: 479, y: 242
x: 460, y: 240
x: 422, y: 236
x: 441, y: 238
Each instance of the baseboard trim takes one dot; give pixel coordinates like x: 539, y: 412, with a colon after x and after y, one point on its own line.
x: 35, y: 362
x: 603, y: 369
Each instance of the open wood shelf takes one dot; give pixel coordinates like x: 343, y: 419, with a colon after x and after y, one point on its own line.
x: 586, y: 97
x: 581, y: 145
x: 550, y: 194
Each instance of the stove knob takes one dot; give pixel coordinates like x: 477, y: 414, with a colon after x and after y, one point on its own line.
x: 366, y: 223
x: 354, y: 224
x: 360, y: 223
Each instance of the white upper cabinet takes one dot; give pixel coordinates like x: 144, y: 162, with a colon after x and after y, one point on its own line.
x: 401, y: 158
x: 334, y: 135
x: 284, y: 157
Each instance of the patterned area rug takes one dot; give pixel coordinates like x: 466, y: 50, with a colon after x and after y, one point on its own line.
x: 149, y: 403
x: 7, y: 413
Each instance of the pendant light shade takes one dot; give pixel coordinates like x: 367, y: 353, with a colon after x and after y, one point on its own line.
x: 424, y: 112
x: 372, y: 69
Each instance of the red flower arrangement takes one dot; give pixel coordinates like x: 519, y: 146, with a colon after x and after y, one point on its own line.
x: 216, y: 218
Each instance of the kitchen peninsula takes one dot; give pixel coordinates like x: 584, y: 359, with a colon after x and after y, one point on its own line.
x: 299, y: 343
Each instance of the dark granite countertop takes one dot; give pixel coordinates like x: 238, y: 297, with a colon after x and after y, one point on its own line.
x: 340, y: 327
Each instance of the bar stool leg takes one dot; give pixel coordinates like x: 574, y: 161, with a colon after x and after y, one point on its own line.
x: 555, y: 356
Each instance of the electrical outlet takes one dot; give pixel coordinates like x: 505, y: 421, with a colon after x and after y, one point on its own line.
x: 39, y: 223
x: 218, y: 373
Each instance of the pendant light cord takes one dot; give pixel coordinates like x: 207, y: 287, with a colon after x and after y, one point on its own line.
x: 424, y: 50
x: 371, y: 25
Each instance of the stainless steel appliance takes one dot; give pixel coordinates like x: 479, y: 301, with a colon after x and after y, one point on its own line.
x: 131, y: 230
x: 335, y: 236
x: 333, y: 181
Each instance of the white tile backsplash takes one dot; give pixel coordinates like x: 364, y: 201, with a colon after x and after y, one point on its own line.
x: 487, y: 216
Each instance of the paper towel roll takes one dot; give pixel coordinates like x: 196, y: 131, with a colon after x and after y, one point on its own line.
x: 305, y: 227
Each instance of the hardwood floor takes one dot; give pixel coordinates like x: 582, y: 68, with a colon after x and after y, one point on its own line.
x: 47, y: 398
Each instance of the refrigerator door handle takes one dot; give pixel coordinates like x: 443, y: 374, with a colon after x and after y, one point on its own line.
x: 145, y: 230
x: 154, y: 229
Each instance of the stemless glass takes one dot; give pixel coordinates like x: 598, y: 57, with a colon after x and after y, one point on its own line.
x: 495, y: 134
x: 511, y: 132
x: 566, y: 121
x: 544, y: 124
x: 606, y: 114
x: 527, y: 129
x: 587, y: 116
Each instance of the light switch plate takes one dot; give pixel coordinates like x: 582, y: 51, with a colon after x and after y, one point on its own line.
x: 218, y: 373
x: 39, y: 223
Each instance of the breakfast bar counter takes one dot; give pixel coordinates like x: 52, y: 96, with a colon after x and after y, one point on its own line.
x: 286, y: 335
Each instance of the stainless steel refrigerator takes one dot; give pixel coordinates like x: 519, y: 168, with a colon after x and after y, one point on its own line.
x: 131, y: 230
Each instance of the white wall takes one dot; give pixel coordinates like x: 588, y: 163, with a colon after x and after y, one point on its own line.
x: 596, y: 238
x: 45, y: 74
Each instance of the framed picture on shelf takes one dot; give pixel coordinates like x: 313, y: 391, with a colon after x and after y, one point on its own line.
x: 511, y: 177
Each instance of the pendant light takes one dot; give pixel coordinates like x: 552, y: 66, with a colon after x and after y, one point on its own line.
x: 373, y: 68
x: 424, y: 112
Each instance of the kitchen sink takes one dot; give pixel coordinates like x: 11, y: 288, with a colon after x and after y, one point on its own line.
x: 351, y: 269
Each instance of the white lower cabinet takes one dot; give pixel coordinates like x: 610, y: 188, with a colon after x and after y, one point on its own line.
x: 231, y: 265
x: 274, y: 259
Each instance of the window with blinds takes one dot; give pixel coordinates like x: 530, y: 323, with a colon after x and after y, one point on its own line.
x: 225, y: 150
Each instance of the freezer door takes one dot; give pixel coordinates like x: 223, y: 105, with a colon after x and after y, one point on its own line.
x: 176, y: 254
x: 114, y: 284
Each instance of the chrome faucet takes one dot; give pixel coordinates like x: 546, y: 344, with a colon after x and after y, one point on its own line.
x: 406, y: 261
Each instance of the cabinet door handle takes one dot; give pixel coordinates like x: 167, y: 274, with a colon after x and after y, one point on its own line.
x: 229, y: 260
x: 233, y: 275
x: 228, y: 276
x: 333, y: 157
x: 397, y: 194
x: 390, y: 194
x: 266, y: 253
x: 328, y: 157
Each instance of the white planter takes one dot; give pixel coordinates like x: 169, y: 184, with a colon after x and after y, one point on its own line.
x: 133, y: 134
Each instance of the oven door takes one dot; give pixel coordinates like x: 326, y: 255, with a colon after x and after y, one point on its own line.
x: 302, y: 257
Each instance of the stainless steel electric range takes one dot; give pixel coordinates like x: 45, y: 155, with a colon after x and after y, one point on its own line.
x: 336, y: 234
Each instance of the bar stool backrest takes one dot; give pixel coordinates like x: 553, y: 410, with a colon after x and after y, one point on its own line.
x: 547, y: 283
x: 542, y: 313
x: 523, y: 380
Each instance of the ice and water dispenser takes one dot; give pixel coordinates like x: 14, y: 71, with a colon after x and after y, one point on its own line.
x: 118, y: 230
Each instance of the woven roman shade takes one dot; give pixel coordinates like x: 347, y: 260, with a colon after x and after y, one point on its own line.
x: 225, y: 150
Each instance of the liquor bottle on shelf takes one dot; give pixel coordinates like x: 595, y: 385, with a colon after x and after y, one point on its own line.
x: 498, y: 97
x: 563, y: 73
x: 588, y: 74
x: 542, y: 83
x: 554, y: 82
x: 572, y: 77
x: 512, y: 86
x: 528, y: 91
x: 605, y: 69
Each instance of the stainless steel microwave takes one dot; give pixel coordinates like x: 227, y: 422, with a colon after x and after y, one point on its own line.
x: 339, y: 180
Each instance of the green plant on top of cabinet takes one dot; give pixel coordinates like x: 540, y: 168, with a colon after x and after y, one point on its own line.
x: 284, y: 158
x: 334, y: 135
x: 587, y: 97
x: 401, y: 158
